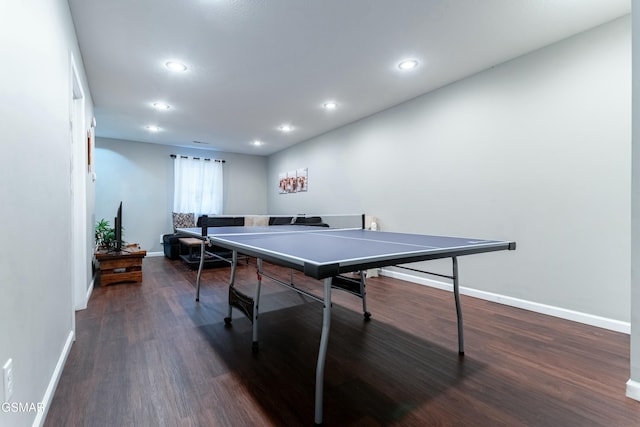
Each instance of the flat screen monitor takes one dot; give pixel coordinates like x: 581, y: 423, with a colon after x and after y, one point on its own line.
x: 118, y: 228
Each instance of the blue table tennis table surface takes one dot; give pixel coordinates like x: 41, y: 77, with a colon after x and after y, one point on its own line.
x: 324, y: 252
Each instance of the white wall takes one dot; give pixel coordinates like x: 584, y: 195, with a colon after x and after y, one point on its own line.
x: 36, y: 295
x: 535, y: 150
x: 633, y: 386
x: 141, y: 176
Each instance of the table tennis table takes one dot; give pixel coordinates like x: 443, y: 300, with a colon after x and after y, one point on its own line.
x: 327, y: 254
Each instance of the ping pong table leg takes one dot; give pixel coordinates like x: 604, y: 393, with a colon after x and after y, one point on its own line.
x: 256, y: 303
x: 200, y: 267
x: 322, y: 353
x: 363, y: 294
x: 232, y: 280
x: 456, y: 292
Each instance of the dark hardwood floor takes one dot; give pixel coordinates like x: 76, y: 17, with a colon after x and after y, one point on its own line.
x: 148, y: 355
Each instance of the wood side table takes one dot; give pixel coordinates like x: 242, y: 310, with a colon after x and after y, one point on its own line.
x: 123, y: 266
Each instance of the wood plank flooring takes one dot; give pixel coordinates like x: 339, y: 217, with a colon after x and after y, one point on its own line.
x: 148, y: 355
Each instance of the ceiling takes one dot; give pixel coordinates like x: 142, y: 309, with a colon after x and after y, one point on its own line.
x: 254, y: 65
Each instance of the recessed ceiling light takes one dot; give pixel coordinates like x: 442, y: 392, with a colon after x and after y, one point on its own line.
x: 257, y: 143
x: 330, y: 105
x: 175, y: 66
x: 153, y: 128
x: 408, y: 64
x: 285, y: 128
x: 161, y: 106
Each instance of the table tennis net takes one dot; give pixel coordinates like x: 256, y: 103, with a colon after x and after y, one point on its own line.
x: 320, y: 220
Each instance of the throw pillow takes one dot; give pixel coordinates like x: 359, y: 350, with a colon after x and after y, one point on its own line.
x: 183, y: 220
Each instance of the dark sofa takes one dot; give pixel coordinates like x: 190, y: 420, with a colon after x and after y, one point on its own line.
x: 297, y: 220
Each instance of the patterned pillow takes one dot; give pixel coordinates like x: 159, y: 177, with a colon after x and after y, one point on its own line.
x: 183, y: 220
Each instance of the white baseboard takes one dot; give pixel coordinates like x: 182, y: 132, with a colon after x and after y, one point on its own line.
x: 152, y: 254
x: 563, y: 313
x: 53, y: 382
x: 633, y: 389
x: 90, y: 290
x: 85, y: 303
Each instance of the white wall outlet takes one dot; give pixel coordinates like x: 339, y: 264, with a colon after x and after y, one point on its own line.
x: 7, y: 375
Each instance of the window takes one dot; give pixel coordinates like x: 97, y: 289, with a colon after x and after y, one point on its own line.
x: 197, y: 185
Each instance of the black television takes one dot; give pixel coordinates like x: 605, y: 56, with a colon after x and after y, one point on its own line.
x: 118, y: 229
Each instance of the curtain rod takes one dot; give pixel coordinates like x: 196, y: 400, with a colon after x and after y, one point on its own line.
x: 197, y: 158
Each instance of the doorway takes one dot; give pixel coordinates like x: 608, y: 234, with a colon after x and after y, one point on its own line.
x: 78, y: 186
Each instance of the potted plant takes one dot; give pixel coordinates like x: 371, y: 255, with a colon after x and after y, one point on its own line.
x: 105, y: 235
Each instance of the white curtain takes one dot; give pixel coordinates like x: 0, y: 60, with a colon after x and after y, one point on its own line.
x: 197, y: 186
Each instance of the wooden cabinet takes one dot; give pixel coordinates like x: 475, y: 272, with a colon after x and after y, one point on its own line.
x: 123, y: 266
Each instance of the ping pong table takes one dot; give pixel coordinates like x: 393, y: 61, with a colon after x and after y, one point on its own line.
x: 326, y: 254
